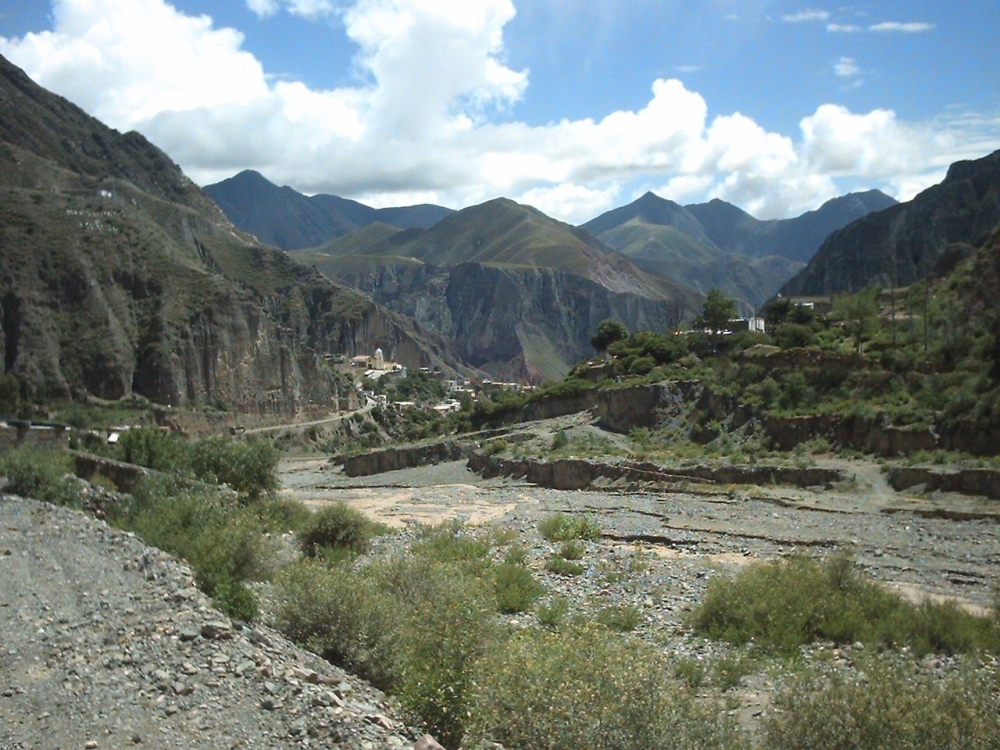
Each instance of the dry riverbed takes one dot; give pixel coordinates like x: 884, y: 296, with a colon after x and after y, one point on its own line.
x: 895, y: 537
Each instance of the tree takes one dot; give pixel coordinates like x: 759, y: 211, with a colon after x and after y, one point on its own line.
x: 858, y: 312
x: 715, y: 314
x: 717, y: 311
x: 608, y: 332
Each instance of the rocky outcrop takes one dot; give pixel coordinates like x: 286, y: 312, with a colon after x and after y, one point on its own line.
x: 526, y: 323
x: 982, y: 482
x: 906, y: 243
x: 578, y: 474
x: 393, y: 459
x: 868, y: 435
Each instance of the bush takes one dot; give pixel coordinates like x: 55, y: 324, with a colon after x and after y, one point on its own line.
x: 338, y: 527
x: 792, y: 335
x: 585, y: 688
x: 412, y: 625
x: 622, y: 618
x: 341, y: 615
x: 153, y: 448
x: 248, y: 466
x: 225, y: 545
x: 561, y: 527
x: 890, y: 706
x: 571, y: 550
x: 563, y: 567
x: 782, y: 605
x: 515, y: 588
x: 39, y: 474
x: 560, y: 440
x: 553, y: 614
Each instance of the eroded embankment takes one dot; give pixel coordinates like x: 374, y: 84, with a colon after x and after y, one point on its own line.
x: 578, y: 474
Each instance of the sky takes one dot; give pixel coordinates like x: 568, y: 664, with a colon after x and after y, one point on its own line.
x: 572, y: 106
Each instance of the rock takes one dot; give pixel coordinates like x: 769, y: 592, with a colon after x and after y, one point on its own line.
x: 427, y: 743
x: 216, y: 629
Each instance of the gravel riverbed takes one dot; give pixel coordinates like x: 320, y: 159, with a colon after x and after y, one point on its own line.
x: 108, y: 643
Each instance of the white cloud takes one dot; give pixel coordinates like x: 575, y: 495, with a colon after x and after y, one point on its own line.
x: 804, y: 16
x: 572, y: 200
x: 905, y: 28
x: 846, y: 67
x: 264, y: 8
x: 304, y: 8
x: 844, y: 28
x: 422, y: 125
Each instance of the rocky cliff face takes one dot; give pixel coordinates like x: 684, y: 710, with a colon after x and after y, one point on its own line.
x: 908, y: 242
x: 118, y: 276
x: 512, y: 323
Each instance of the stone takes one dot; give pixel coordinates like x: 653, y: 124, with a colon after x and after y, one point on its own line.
x: 427, y: 743
x: 216, y: 630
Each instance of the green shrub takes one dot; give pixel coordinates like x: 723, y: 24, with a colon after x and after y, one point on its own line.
x: 39, y: 474
x: 622, y: 618
x: 153, y: 448
x: 448, y: 629
x: 571, y: 550
x: 341, y: 615
x: 454, y: 544
x: 560, y: 440
x: 553, y: 614
x: 225, y: 545
x: 515, y: 588
x: 782, y: 605
x: 281, y: 515
x: 891, y: 705
x: 691, y: 672
x: 339, y: 527
x: 248, y: 466
x: 586, y: 688
x: 236, y: 600
x: 792, y: 335
x: 561, y: 527
x: 563, y: 567
x: 410, y: 624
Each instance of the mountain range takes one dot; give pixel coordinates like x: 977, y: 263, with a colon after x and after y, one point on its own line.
x: 285, y: 218
x: 702, y: 246
x: 514, y: 292
x: 717, y: 244
x: 119, y: 276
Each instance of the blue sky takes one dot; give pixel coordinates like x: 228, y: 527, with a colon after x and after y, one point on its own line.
x: 574, y: 106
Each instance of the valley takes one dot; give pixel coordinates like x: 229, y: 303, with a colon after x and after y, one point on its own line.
x: 285, y: 471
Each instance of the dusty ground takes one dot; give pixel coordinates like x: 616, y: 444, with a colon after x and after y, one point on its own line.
x: 894, y: 536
